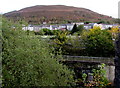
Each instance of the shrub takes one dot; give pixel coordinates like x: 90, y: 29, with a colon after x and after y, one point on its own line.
x: 114, y: 31
x: 80, y: 28
x: 98, y: 42
x: 61, y: 37
x: 28, y: 61
x: 99, y: 79
x: 47, y: 31
x: 41, y: 32
x: 74, y: 46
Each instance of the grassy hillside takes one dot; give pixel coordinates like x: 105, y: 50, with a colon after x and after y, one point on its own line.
x: 56, y: 14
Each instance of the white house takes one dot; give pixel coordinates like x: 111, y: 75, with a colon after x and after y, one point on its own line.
x: 62, y: 26
x: 54, y: 27
x: 106, y: 26
x: 29, y: 27
x: 79, y: 23
x: 37, y: 28
x: 92, y: 25
x: 70, y: 27
x: 46, y: 26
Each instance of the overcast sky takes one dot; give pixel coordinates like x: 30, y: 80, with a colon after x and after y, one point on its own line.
x: 106, y: 7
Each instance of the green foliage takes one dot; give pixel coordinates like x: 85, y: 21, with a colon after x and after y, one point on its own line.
x: 55, y: 32
x: 74, y: 46
x: 98, y: 42
x: 23, y: 23
x: 61, y: 37
x: 84, y: 76
x: 99, y: 78
x: 74, y: 29
x: 87, y: 22
x: 103, y: 22
x: 77, y: 30
x: 28, y: 61
x: 114, y: 31
x: 94, y: 42
x: 41, y: 32
x: 47, y: 31
x: 80, y: 29
x: 60, y: 40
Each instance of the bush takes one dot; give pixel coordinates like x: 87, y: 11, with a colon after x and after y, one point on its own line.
x: 99, y: 79
x: 41, y: 32
x: 98, y: 42
x: 47, y: 31
x: 61, y: 37
x: 28, y: 61
x: 74, y: 46
x: 80, y: 28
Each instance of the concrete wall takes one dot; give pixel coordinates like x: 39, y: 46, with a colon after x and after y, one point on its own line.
x: 110, y: 72
x: 109, y: 63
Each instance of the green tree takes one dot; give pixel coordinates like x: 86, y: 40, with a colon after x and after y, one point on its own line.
x: 61, y: 37
x: 98, y: 42
x: 23, y: 23
x: 28, y: 61
x: 103, y: 22
x: 87, y: 22
x: 80, y: 28
x: 74, y: 29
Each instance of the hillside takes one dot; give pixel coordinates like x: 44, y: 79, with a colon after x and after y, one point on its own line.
x: 56, y: 14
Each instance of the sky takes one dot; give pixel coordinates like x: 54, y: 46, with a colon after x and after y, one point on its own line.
x: 106, y: 7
